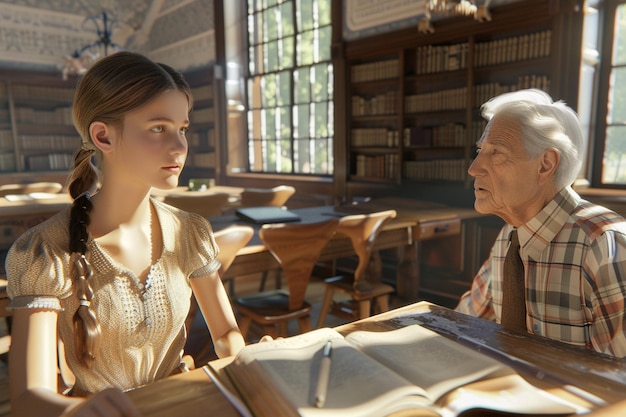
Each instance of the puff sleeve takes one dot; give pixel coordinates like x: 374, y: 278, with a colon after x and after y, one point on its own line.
x: 200, y: 247
x: 37, y: 270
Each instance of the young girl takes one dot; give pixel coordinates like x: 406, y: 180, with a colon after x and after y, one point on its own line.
x: 110, y: 278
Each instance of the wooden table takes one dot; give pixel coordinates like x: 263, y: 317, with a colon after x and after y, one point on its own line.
x: 404, y: 233
x: 194, y: 394
x: 255, y: 258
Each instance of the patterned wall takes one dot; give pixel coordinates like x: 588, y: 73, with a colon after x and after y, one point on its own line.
x: 36, y: 34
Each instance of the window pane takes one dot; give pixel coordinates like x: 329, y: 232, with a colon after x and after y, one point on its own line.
x: 306, y: 48
x: 272, y: 57
x: 619, y: 44
x: 302, y: 122
x: 321, y: 156
x: 306, y: 17
x: 290, y: 102
x: 324, y: 12
x: 321, y: 82
x: 615, y: 156
x: 302, y: 90
x: 286, y: 15
x: 271, y: 24
x: 283, y: 80
x: 321, y: 119
x: 285, y: 122
x: 617, y: 97
x: 269, y: 90
x: 324, y: 44
x: 287, y: 53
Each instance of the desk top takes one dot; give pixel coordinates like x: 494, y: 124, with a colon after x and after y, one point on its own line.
x: 193, y: 393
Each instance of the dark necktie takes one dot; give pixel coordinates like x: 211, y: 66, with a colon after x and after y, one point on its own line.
x: 513, y: 288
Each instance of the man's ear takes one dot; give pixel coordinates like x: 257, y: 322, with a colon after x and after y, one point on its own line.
x: 548, y: 163
x: 101, y: 136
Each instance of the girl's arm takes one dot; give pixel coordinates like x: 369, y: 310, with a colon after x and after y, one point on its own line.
x: 218, y: 314
x: 33, y: 373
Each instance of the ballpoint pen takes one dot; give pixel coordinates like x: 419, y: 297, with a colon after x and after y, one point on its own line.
x: 324, y: 375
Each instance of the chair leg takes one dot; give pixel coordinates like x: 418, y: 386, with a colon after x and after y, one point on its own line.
x: 304, y: 324
x: 364, y: 308
x: 244, y: 325
x: 382, y: 303
x: 328, y: 299
x: 282, y: 329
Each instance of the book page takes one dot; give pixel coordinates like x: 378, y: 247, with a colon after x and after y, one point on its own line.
x: 426, y: 358
x: 440, y: 365
x: 288, y: 369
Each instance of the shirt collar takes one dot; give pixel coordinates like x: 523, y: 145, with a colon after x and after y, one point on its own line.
x: 538, y: 232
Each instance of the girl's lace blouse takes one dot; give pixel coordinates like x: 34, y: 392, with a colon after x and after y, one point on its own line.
x: 142, y: 325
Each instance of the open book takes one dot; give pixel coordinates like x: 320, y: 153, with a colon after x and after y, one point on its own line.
x: 407, y: 372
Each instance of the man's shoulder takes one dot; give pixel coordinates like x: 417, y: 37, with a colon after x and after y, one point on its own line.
x: 596, y: 219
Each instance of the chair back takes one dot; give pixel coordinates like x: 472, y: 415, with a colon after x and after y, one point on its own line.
x: 200, y: 202
x: 362, y: 229
x: 297, y: 247
x: 229, y: 241
x: 256, y: 197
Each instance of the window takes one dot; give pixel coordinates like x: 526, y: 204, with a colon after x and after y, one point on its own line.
x: 610, y: 160
x: 290, y: 87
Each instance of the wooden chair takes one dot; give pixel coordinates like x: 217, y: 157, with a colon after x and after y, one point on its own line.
x: 229, y: 241
x: 203, y: 203
x: 256, y: 197
x: 296, y: 247
x: 362, y: 229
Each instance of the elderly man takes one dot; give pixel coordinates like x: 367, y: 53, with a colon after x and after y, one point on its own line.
x: 567, y: 278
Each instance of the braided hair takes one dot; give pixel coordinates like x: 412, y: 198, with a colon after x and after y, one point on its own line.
x: 111, y: 88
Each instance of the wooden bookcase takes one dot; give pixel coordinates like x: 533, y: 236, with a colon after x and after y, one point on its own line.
x: 409, y: 115
x: 36, y: 131
x: 206, y: 120
x: 38, y: 139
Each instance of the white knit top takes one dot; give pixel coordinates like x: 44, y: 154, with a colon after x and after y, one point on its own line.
x: 142, y: 325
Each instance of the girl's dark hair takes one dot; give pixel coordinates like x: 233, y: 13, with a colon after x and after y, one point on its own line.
x: 110, y: 89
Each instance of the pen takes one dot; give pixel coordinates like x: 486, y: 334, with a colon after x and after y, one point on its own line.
x: 324, y: 375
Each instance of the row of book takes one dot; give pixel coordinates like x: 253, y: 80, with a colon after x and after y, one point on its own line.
x: 59, y: 116
x: 205, y: 138
x: 513, y: 49
x: 452, y: 99
x: 38, y: 92
x: 450, y: 135
x: 204, y: 115
x: 6, y: 139
x: 53, y: 161
x: 434, y: 170
x: 378, y: 166
x: 380, y: 70
x: 7, y: 162
x: 484, y: 92
x: 52, y: 142
x: 385, y: 103
x: 375, y: 137
x: 204, y: 92
x: 441, y: 58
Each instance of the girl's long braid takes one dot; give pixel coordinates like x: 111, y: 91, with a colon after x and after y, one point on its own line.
x: 86, y: 326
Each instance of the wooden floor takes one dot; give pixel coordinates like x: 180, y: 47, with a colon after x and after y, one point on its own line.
x: 198, y: 335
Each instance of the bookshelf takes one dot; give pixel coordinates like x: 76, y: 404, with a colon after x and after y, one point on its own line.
x: 36, y: 131
x: 410, y: 113
x: 38, y: 139
x: 204, y: 130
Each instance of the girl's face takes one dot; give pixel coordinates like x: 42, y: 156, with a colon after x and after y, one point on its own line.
x: 153, y: 147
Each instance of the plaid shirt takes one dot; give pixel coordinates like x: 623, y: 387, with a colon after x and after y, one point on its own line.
x: 574, y: 255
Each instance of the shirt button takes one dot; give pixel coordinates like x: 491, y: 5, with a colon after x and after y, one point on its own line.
x: 148, y: 321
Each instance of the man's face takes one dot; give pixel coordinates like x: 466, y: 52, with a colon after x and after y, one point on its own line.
x: 507, y: 182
